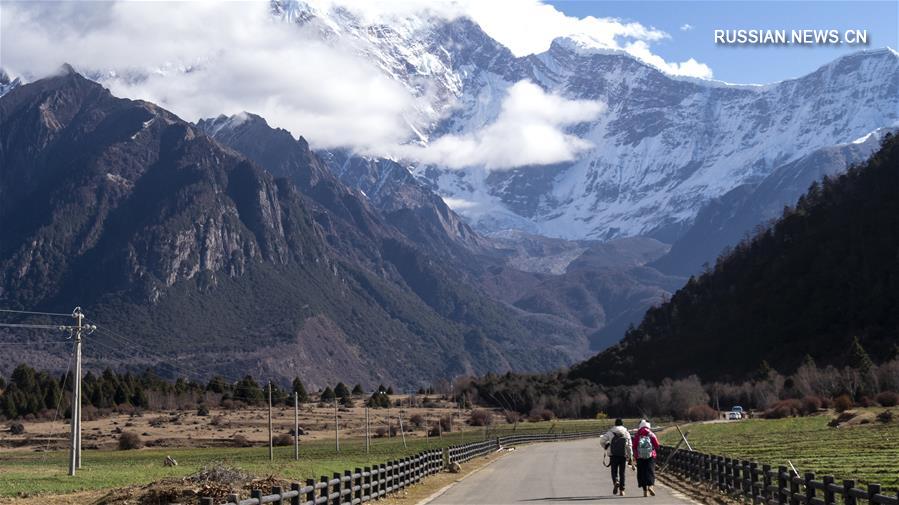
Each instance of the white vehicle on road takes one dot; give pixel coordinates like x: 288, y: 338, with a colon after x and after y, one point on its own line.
x: 735, y: 414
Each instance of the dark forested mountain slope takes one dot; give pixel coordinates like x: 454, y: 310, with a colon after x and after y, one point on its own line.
x: 203, y: 260
x: 828, y: 270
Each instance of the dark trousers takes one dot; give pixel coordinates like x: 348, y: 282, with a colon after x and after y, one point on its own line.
x: 646, y: 472
x: 618, y: 464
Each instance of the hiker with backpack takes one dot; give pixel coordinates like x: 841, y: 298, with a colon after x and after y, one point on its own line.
x: 617, y: 443
x: 646, y: 446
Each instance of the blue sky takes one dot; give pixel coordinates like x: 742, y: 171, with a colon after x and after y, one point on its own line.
x: 749, y: 64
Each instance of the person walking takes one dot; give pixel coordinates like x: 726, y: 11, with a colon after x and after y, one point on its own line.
x: 617, y: 443
x: 645, y: 446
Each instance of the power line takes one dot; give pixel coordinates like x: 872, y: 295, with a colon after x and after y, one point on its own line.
x: 38, y: 343
x: 35, y: 326
x: 35, y: 313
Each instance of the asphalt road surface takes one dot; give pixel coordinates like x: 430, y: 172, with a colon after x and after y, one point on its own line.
x: 548, y: 474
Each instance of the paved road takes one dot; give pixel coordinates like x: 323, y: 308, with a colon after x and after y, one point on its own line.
x: 548, y: 474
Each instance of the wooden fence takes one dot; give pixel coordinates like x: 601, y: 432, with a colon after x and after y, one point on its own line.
x: 370, y: 483
x: 763, y: 484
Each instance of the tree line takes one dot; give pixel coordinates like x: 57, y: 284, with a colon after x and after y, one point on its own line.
x: 810, y: 387
x: 31, y: 393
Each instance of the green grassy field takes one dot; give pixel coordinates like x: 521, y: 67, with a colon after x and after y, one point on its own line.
x: 869, y: 453
x: 46, y: 473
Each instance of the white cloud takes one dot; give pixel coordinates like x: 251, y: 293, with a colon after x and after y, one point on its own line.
x: 209, y: 58
x: 527, y: 131
x: 689, y: 68
x: 686, y: 27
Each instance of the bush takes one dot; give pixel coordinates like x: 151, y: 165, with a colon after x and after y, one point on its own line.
x: 202, y: 410
x: 512, y: 417
x: 538, y: 415
x: 380, y: 432
x: 810, y: 405
x: 240, y: 441
x: 282, y: 440
x: 888, y: 399
x: 701, y: 413
x: 417, y: 420
x: 480, y: 417
x: 784, y: 408
x: 885, y: 417
x: 842, y: 403
x: 16, y: 428
x: 130, y: 440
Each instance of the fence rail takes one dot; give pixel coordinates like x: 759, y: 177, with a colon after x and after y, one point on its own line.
x: 766, y: 485
x: 370, y: 483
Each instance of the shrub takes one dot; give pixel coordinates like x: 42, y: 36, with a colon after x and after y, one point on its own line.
x: 240, y: 441
x: 888, y: 399
x: 810, y: 405
x: 538, y: 415
x: 842, y: 403
x: 217, y: 421
x: 417, y: 420
x: 701, y: 413
x: 202, y: 410
x: 480, y: 417
x: 885, y: 417
x: 16, y: 428
x: 512, y: 417
x: 446, y: 423
x: 282, y: 440
x: 380, y: 432
x: 784, y: 408
x: 130, y: 440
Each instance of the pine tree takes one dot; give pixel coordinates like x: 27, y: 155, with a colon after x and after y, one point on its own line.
x: 300, y: 390
x: 341, y: 391
x: 357, y: 390
x: 858, y: 357
x: 327, y: 395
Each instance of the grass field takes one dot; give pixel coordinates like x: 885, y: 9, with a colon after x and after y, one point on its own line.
x: 868, y: 452
x: 46, y: 473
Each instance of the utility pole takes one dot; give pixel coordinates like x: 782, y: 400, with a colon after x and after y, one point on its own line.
x: 367, y: 432
x: 336, y: 427
x: 296, y: 426
x: 77, y: 332
x: 271, y: 451
x: 402, y: 432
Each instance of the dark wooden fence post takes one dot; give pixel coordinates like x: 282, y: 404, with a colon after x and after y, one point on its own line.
x: 382, y: 475
x: 233, y: 498
x: 794, y: 488
x: 277, y: 491
x: 256, y: 493
x: 809, y: 487
x: 205, y: 501
x: 366, y: 482
x: 873, y: 489
x: 324, y: 493
x: 766, y: 483
x: 357, y: 485
x: 848, y: 499
x: 782, y: 485
x: 295, y: 486
x: 310, y: 493
x: 337, y: 488
x: 829, y: 496
x: 345, y: 485
x: 751, y: 476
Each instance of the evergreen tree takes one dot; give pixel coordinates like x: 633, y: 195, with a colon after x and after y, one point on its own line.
x: 327, y: 395
x: 300, y: 390
x: 357, y: 390
x: 858, y: 357
x: 341, y: 391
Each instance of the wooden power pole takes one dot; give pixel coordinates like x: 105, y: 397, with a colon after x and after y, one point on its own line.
x: 296, y: 426
x: 271, y: 451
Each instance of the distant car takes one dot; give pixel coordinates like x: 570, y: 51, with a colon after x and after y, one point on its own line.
x: 736, y: 413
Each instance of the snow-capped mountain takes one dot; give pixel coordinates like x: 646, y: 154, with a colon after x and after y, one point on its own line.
x: 663, y: 148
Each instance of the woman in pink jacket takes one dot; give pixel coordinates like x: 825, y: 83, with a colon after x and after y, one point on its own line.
x: 646, y: 446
